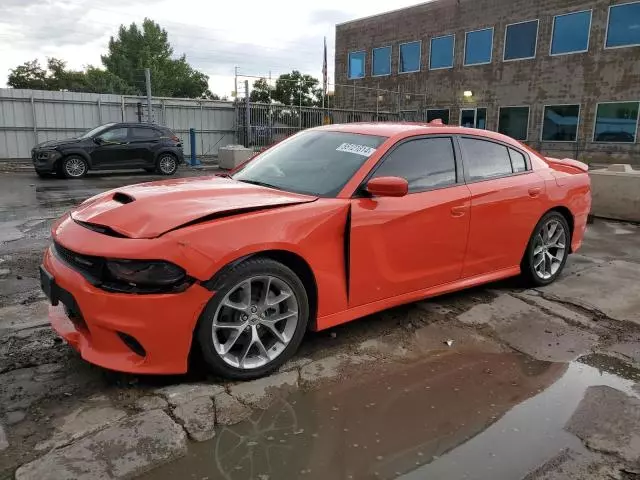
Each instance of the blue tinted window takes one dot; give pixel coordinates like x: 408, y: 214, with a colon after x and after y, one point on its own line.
x: 356, y: 64
x: 409, y: 57
x: 520, y: 40
x: 478, y: 46
x: 560, y: 123
x: 382, y: 61
x: 442, y: 52
x: 624, y: 25
x: 616, y: 122
x: 571, y: 33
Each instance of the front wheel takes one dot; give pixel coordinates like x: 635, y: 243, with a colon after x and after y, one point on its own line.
x: 547, y: 250
x: 74, y: 167
x: 255, y: 321
x: 167, y: 164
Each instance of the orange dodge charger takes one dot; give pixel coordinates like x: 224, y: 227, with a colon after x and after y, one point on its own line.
x: 330, y: 225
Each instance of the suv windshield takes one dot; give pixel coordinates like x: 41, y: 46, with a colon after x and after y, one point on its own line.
x: 95, y: 131
x: 314, y: 162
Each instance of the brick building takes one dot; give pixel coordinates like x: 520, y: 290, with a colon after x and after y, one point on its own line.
x: 561, y: 75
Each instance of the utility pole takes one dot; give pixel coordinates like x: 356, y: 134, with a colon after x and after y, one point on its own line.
x: 247, y: 112
x: 235, y: 93
x: 147, y: 77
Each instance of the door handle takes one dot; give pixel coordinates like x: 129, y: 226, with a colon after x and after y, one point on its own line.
x: 459, y: 211
x: 534, y: 192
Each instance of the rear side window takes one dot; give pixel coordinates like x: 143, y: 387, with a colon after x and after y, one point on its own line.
x: 518, y: 161
x: 425, y: 163
x: 485, y: 159
x: 144, y: 133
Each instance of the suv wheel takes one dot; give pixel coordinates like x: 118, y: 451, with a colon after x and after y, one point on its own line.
x: 255, y: 321
x: 74, y: 167
x: 167, y: 164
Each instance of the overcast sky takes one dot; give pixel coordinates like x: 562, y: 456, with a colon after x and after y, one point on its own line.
x: 256, y: 35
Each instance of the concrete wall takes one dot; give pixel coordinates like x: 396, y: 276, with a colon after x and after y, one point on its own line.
x: 585, y: 78
x: 29, y: 117
x: 616, y: 193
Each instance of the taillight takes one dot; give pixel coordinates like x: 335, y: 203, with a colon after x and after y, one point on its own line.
x: 175, y: 139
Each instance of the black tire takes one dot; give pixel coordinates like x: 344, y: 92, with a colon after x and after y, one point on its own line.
x: 161, y: 167
x: 68, y: 172
x: 529, y: 273
x: 227, y: 281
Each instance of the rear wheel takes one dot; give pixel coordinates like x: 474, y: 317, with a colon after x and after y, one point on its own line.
x: 167, y: 164
x: 255, y: 321
x: 547, y: 250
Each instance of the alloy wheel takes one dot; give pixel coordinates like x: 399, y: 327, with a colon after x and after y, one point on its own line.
x: 75, y: 167
x: 255, y: 322
x: 167, y: 164
x: 549, y: 249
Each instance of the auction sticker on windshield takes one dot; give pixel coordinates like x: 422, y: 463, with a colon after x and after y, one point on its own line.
x: 357, y: 149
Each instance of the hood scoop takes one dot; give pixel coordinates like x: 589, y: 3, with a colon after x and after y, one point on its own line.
x: 123, y: 198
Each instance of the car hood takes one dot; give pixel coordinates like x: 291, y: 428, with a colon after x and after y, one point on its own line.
x: 57, y: 143
x: 149, y: 210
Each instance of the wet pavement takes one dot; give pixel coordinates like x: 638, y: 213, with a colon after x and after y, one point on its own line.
x: 497, y: 382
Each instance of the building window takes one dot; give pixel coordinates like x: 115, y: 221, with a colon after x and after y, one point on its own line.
x: 616, y: 122
x: 520, y: 40
x: 560, y: 123
x: 442, y: 52
x: 381, y: 61
x: 438, y: 114
x: 478, y: 47
x: 571, y: 33
x: 514, y: 122
x: 409, y: 57
x: 623, y: 29
x: 473, y: 118
x: 356, y: 64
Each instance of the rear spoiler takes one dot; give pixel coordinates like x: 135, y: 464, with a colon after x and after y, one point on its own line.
x: 563, y: 163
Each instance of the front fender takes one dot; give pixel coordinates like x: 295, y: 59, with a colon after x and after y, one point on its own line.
x: 77, y: 151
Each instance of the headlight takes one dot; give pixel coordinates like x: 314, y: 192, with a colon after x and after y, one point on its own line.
x: 145, y: 273
x: 44, y: 154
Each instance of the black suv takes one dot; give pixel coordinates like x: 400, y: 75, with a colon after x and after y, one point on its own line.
x: 112, y: 146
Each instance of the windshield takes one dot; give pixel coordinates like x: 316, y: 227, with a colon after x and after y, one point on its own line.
x: 313, y: 162
x: 95, y: 131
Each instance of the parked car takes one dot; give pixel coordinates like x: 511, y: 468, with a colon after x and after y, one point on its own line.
x: 332, y: 224
x: 113, y: 146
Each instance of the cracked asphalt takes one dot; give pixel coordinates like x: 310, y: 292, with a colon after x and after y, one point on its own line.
x: 497, y: 382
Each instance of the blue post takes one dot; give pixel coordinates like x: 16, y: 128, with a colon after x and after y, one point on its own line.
x: 192, y: 141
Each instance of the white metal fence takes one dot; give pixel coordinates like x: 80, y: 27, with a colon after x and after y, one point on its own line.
x: 29, y: 117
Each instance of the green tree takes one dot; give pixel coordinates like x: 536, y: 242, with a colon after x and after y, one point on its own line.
x: 29, y: 75
x: 296, y: 88
x: 135, y: 49
x: 261, y: 91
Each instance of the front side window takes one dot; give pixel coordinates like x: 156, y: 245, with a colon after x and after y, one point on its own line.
x: 560, y: 123
x: 114, y: 135
x: 313, y: 162
x: 425, y: 163
x: 382, y: 61
x: 94, y: 132
x: 623, y: 29
x: 514, y: 122
x: 616, y: 122
x: 484, y: 159
x: 409, y: 57
x: 442, y: 52
x: 520, y: 40
x: 356, y: 64
x: 438, y: 114
x: 571, y: 33
x: 478, y: 47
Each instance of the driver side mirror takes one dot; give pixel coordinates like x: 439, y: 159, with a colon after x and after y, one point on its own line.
x: 98, y: 140
x: 388, y: 187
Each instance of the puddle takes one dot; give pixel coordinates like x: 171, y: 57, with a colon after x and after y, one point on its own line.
x: 472, y: 416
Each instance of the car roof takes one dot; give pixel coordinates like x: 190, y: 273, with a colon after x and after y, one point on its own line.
x: 402, y: 129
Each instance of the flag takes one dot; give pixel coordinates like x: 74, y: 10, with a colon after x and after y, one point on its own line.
x: 324, y: 70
